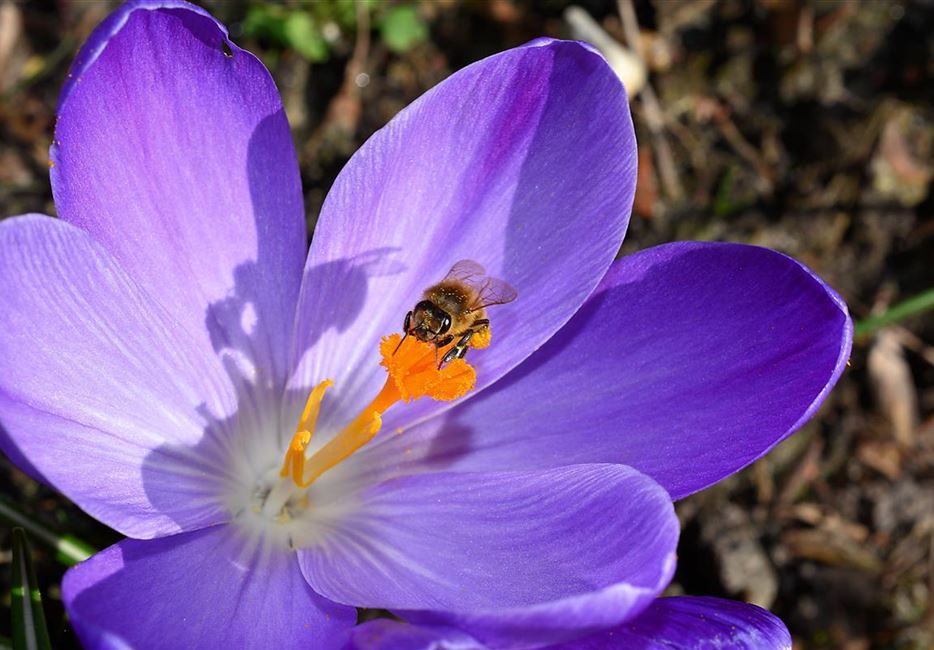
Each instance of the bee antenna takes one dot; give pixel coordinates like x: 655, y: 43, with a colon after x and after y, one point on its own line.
x: 400, y: 343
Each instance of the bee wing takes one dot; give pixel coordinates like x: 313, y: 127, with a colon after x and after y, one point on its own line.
x: 469, y: 272
x: 490, y: 291
x: 493, y: 291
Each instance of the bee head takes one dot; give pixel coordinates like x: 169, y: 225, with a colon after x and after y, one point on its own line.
x: 429, y: 321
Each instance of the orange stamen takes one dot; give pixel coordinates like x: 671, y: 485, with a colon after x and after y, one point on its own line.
x: 295, y: 455
x: 413, y: 371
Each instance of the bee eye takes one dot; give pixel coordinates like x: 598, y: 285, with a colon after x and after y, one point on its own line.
x: 445, y: 324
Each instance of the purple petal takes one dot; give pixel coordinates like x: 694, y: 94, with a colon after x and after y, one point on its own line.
x: 536, y: 556
x: 689, y: 362
x: 505, y: 163
x: 99, y: 388
x: 386, y: 634
x: 681, y: 623
x: 693, y: 623
x: 208, y: 589
x: 172, y: 149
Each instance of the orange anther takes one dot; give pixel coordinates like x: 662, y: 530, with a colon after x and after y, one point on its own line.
x: 413, y: 371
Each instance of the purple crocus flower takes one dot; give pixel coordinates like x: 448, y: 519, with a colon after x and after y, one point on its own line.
x: 159, y: 342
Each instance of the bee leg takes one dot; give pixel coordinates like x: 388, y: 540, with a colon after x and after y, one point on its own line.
x: 480, y: 323
x: 459, y: 349
x: 440, y: 343
x: 449, y: 357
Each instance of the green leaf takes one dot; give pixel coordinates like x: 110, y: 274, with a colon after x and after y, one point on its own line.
x: 265, y: 22
x: 296, y: 29
x: 916, y: 305
x: 29, y: 630
x: 5, y: 643
x: 69, y: 550
x: 304, y: 36
x: 402, y: 28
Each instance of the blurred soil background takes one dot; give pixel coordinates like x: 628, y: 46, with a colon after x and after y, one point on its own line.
x: 803, y: 126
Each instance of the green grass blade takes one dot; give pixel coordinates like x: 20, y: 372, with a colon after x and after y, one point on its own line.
x: 69, y: 550
x: 29, y: 630
x: 920, y: 303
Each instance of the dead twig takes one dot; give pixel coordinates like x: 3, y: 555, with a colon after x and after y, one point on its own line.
x: 361, y: 49
x: 911, y: 342
x: 806, y: 472
x: 741, y: 146
x: 651, y: 109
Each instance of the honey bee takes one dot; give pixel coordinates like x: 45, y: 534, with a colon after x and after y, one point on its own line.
x: 455, y: 308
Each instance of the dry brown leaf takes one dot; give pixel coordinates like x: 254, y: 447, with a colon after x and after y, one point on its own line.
x: 894, y: 387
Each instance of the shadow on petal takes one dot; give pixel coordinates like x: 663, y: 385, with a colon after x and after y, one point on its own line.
x: 245, y: 444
